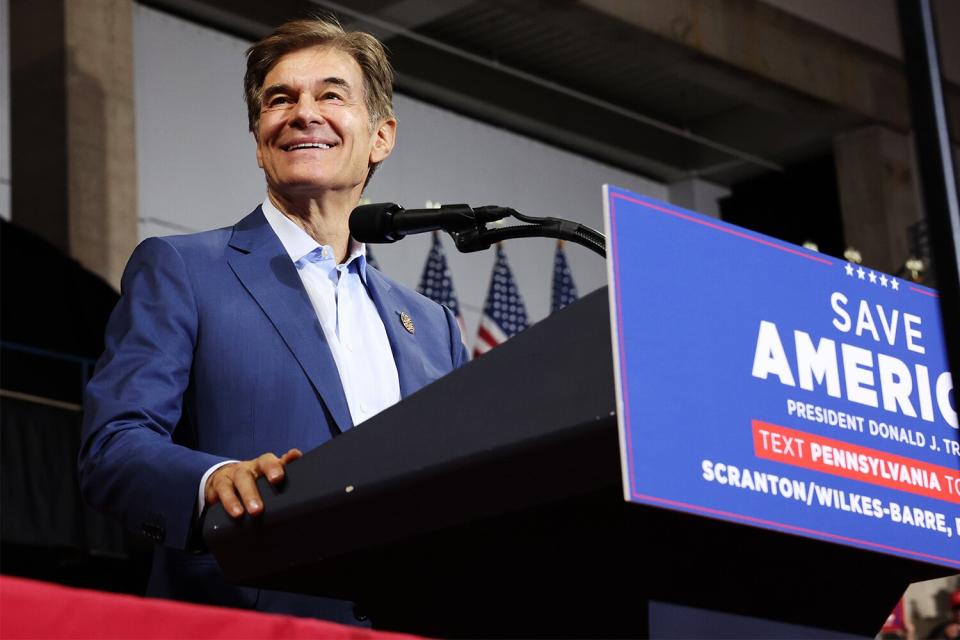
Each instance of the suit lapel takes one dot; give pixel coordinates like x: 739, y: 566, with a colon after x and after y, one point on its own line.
x: 407, y: 352
x: 263, y: 266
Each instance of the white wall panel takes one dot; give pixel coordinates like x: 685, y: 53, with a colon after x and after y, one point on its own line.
x: 195, y: 160
x: 444, y: 157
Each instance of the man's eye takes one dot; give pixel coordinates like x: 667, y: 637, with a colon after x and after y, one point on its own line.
x: 332, y: 95
x: 278, y: 100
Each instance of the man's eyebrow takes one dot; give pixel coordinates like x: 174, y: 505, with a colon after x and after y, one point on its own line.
x: 285, y: 88
x: 275, y: 89
x: 340, y: 82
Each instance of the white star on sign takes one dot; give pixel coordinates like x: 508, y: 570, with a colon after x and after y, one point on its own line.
x: 849, y: 269
x: 883, y: 280
x: 861, y: 273
x: 873, y: 277
x: 894, y: 284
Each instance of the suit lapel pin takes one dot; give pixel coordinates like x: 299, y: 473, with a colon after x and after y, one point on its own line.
x: 407, y: 322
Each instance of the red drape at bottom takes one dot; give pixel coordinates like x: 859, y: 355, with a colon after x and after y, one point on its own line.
x: 31, y: 609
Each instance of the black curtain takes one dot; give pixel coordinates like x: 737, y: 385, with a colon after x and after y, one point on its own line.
x: 52, y: 319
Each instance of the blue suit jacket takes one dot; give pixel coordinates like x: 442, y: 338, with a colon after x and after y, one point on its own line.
x: 214, y: 352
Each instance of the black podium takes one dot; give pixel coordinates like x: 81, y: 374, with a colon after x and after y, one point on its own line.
x: 490, y: 504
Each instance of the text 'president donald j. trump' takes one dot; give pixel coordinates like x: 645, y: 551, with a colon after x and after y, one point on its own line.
x: 232, y: 350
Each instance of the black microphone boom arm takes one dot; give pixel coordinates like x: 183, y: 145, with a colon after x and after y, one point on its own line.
x: 388, y: 222
x: 481, y: 238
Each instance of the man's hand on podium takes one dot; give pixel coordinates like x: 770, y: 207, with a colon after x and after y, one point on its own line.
x: 235, y: 484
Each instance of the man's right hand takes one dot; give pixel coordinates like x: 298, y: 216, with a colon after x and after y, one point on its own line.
x: 235, y: 484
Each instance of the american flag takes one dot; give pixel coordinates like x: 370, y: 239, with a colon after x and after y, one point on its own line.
x: 504, y: 314
x: 437, y: 284
x: 563, y: 291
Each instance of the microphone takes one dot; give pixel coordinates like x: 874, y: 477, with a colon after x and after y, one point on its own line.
x: 389, y: 222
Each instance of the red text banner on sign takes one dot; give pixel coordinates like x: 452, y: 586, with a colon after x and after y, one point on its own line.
x: 838, y: 458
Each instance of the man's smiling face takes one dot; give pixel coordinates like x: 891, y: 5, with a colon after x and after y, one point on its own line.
x: 314, y: 133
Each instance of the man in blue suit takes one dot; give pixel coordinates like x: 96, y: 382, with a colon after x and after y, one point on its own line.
x: 232, y: 350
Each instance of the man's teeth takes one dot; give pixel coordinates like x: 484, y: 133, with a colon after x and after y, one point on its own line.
x: 310, y: 145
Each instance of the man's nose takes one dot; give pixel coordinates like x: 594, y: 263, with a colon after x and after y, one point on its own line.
x: 308, y: 110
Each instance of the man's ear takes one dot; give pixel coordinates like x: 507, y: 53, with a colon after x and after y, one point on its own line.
x: 385, y: 137
x: 256, y: 141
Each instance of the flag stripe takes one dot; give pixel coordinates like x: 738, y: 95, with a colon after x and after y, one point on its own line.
x: 504, y: 314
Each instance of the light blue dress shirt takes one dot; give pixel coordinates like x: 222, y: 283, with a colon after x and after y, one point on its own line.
x: 347, y: 314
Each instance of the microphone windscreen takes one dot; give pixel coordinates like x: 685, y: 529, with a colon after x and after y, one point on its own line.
x: 372, y: 222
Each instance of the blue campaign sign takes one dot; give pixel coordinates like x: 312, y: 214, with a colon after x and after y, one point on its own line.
x: 765, y: 384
